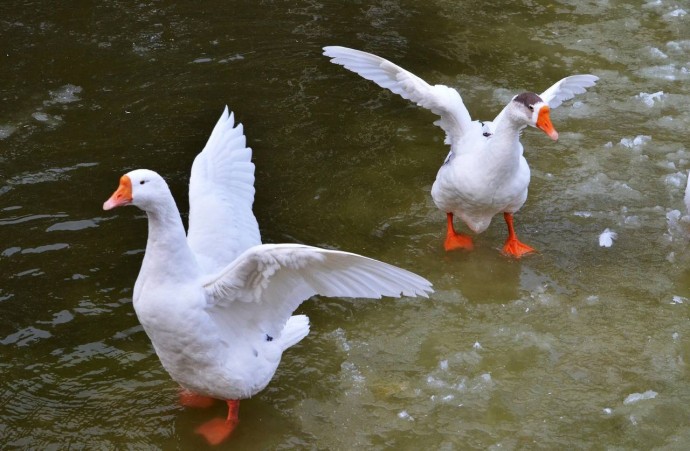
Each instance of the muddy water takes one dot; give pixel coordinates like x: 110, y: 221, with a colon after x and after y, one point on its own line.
x: 580, y: 346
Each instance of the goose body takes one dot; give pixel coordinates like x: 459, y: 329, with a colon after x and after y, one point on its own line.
x: 216, y: 303
x: 485, y: 172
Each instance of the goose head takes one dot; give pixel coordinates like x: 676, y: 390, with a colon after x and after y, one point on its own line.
x: 531, y: 110
x: 142, y: 188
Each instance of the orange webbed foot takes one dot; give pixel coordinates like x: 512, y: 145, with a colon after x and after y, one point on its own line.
x: 455, y: 240
x: 191, y: 399
x: 217, y: 430
x: 517, y: 249
x: 458, y: 241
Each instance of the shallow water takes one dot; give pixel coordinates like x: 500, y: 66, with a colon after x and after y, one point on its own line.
x: 580, y: 346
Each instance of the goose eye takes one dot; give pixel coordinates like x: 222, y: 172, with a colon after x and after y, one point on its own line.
x: 142, y: 182
x: 531, y: 107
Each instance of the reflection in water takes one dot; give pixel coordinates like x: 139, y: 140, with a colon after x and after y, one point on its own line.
x: 537, y: 353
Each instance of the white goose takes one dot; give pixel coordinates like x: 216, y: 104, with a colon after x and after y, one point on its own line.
x: 485, y: 173
x: 216, y: 303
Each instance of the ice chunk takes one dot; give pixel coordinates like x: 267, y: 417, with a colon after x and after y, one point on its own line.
x: 680, y: 12
x: 673, y: 217
x: 403, y: 415
x: 608, y: 411
x: 637, y: 141
x: 678, y: 46
x: 675, y: 180
x: 606, y: 238
x: 636, y: 397
x: 656, y: 53
x: 667, y: 72
x: 477, y: 345
x: 641, y: 139
x: 65, y: 94
x: 443, y: 365
x: 40, y: 116
x: 678, y: 299
x: 6, y: 131
x: 649, y: 99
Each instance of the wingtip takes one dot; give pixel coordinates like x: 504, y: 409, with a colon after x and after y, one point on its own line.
x: 228, y: 117
x: 422, y: 289
x: 331, y: 51
x: 589, y: 78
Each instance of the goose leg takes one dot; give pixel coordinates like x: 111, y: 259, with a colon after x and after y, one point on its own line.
x: 217, y: 430
x: 191, y: 399
x: 456, y: 240
x: 513, y: 246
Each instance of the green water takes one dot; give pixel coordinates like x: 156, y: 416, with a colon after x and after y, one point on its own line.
x: 536, y: 354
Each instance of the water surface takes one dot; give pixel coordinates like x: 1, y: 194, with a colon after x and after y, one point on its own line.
x: 577, y: 347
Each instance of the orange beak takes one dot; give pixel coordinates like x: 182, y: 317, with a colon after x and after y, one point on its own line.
x: 544, y: 122
x: 122, y: 196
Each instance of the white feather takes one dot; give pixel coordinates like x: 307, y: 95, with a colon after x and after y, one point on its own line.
x: 267, y: 283
x: 607, y: 237
x: 221, y: 194
x: 567, y: 88
x: 440, y: 99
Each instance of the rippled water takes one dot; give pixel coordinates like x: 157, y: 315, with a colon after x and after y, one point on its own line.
x: 580, y: 346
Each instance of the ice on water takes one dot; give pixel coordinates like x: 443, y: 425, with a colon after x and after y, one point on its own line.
x: 6, y: 131
x: 65, y: 94
x: 403, y: 415
x: 678, y: 299
x: 636, y: 142
x: 648, y: 98
x: 637, y: 397
x: 679, y: 12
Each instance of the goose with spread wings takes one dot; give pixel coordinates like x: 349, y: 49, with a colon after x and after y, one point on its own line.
x: 485, y: 172
x: 216, y: 303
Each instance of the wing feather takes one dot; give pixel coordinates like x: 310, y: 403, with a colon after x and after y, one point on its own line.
x: 267, y: 283
x: 221, y: 194
x: 567, y: 88
x: 440, y: 99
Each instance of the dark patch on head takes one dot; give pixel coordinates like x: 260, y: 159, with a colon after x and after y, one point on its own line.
x: 529, y: 99
x: 269, y: 338
x: 256, y: 353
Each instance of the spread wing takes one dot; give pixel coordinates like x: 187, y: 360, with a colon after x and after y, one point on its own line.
x: 567, y: 88
x: 444, y: 101
x: 264, y: 286
x: 221, y: 194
